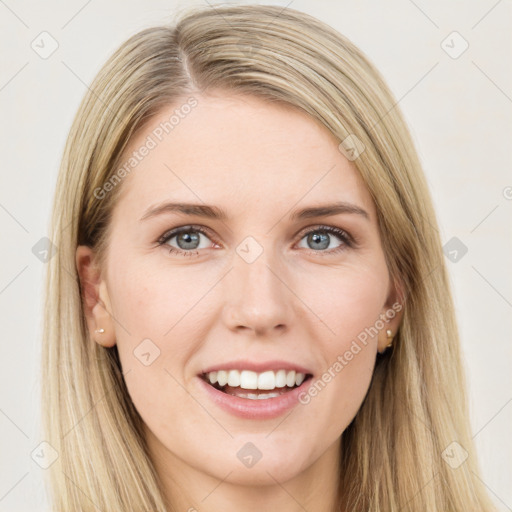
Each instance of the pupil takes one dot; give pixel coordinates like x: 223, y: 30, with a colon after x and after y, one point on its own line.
x: 188, y: 239
x: 318, y: 238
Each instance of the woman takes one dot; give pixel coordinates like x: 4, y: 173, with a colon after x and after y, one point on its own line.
x: 207, y: 347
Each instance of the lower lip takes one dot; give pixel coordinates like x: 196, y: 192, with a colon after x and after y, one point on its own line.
x: 257, y: 409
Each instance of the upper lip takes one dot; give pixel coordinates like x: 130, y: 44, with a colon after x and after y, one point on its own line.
x: 257, y: 366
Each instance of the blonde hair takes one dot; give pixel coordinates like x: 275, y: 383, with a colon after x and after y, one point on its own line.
x: 392, y: 453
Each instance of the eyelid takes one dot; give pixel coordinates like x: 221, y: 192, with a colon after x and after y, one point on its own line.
x: 170, y: 233
x: 329, y: 228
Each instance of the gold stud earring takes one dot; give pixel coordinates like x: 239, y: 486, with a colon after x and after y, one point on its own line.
x: 100, y: 330
x: 389, y: 334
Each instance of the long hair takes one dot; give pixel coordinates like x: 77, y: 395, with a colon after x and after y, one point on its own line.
x: 397, y: 452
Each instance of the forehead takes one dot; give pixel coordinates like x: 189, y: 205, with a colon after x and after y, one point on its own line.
x: 240, y: 152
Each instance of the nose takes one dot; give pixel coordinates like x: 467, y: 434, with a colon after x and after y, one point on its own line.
x: 257, y: 298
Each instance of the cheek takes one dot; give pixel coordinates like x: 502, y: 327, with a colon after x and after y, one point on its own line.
x: 162, y: 316
x: 336, y: 395
x: 355, y: 308
x: 154, y: 301
x: 348, y: 300
x: 349, y: 305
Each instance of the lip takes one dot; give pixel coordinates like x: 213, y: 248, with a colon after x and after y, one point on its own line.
x: 247, y: 408
x: 258, y: 367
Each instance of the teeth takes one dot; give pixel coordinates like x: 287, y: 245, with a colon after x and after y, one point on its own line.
x: 281, y: 379
x: 222, y: 378
x: 234, y: 378
x: 267, y: 395
x: 290, y: 379
x: 255, y: 396
x: 267, y: 380
x: 248, y: 380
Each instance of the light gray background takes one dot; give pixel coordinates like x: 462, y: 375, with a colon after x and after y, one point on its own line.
x: 459, y: 111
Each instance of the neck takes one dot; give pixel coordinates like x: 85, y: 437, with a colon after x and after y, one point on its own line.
x: 192, y: 489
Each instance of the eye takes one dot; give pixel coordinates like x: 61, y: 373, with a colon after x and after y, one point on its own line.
x: 188, y: 239
x: 320, y: 237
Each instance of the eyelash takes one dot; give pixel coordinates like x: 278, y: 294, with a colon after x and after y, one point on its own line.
x: 348, y: 240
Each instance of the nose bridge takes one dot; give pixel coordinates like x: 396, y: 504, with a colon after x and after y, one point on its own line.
x: 257, y: 297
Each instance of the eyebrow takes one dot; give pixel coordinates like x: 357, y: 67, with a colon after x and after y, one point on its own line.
x: 214, y: 212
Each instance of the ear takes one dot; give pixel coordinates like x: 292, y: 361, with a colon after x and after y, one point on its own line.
x: 391, y: 314
x: 95, y: 298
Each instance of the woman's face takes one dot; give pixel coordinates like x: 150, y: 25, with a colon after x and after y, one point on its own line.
x: 263, y: 289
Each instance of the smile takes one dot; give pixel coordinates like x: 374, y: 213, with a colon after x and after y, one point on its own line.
x: 255, y: 390
x: 253, y: 385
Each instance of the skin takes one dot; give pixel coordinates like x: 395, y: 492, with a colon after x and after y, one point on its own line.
x: 295, y: 302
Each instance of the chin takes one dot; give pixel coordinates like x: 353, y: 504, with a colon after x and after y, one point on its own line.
x: 263, y: 473
x: 259, y: 461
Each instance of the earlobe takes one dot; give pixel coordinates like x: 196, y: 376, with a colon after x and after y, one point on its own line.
x: 95, y: 298
x: 104, y: 333
x: 391, y: 318
x: 390, y: 321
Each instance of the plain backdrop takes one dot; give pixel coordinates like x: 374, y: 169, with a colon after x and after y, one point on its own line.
x: 447, y: 63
